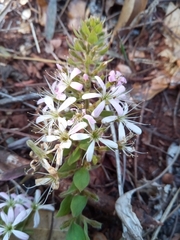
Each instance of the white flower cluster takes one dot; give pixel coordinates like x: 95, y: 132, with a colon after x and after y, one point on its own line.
x: 15, y: 209
x: 70, y: 113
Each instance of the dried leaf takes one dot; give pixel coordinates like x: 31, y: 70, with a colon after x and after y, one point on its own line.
x: 148, y: 90
x: 76, y: 13
x: 130, y: 10
x: 124, y: 211
x: 124, y: 69
x: 172, y: 22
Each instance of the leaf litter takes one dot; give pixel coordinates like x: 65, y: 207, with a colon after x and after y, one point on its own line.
x: 149, y: 34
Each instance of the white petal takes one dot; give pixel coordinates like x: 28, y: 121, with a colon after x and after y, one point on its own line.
x: 121, y: 132
x: 91, y: 95
x: 1, y: 230
x: 4, y: 217
x: 21, y: 216
x: 10, y: 215
x: 90, y: 151
x: 101, y: 83
x: 36, y: 219
x: 7, y: 236
x: 133, y: 127
x: 62, y: 123
x: 4, y: 195
x: 77, y: 127
x: 74, y: 73
x: 117, y: 91
x: 108, y: 143
x: 41, y: 118
x: 49, y: 102
x: 66, y: 144
x: 90, y: 120
x: 66, y: 103
x: 109, y: 119
x: 47, y: 207
x: 116, y: 105
x: 20, y: 235
x: 50, y: 138
x: 77, y: 86
x: 79, y: 136
x: 37, y: 196
x: 98, y: 110
x: 3, y: 204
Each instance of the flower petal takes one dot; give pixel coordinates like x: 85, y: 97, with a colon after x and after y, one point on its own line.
x: 20, y: 235
x: 98, y: 110
x: 90, y: 151
x: 4, y: 217
x: 7, y: 236
x: 49, y: 102
x: 4, y: 195
x: 108, y: 143
x: 79, y: 136
x: 90, y: 120
x: 116, y: 105
x: 133, y: 127
x: 109, y: 119
x: 66, y: 103
x: 66, y: 144
x: 10, y: 215
x: 77, y: 127
x: 50, y: 138
x: 21, y: 216
x: 37, y: 196
x: 74, y: 73
x: 101, y: 83
x: 77, y: 86
x: 121, y: 132
x: 47, y: 207
x: 41, y: 118
x: 36, y: 219
x: 91, y: 95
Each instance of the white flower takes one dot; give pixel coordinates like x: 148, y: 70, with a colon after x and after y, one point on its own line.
x: 38, y: 205
x: 123, y: 121
x: 62, y: 134
x: 113, y: 96
x: 10, y: 222
x: 18, y: 202
x: 53, y: 112
x: 95, y: 137
x: 66, y: 80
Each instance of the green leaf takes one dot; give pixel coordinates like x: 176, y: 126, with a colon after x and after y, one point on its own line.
x: 81, y: 179
x: 91, y: 195
x: 71, y: 190
x: 85, y: 29
x: 38, y: 151
x: 86, y: 231
x: 66, y: 224
x: 77, y: 46
x: 93, y: 223
x: 92, y: 38
x: 78, y: 203
x: 66, y: 167
x: 75, y: 232
x: 84, y: 144
x: 75, y: 156
x: 65, y: 206
x: 98, y: 28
